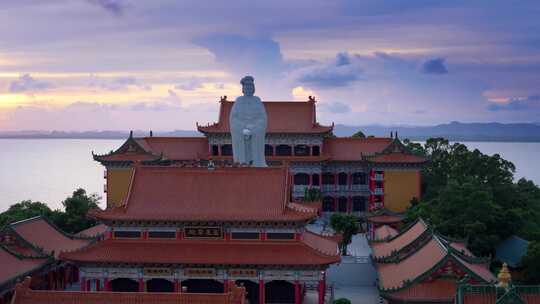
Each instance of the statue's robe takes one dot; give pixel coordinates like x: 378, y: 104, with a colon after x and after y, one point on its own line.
x: 248, y: 112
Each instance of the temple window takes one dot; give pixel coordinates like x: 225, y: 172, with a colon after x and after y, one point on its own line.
x: 268, y: 150
x: 301, y: 179
x: 378, y: 184
x: 359, y: 203
x: 342, y: 204
x: 283, y: 150
x: 280, y: 236
x: 245, y: 235
x: 359, y: 178
x: 226, y: 150
x: 328, y: 204
x: 328, y: 179
x: 161, y: 234
x: 127, y: 234
x: 315, y: 180
x: 301, y: 150
x: 342, y: 179
x: 215, y: 150
x: 315, y: 150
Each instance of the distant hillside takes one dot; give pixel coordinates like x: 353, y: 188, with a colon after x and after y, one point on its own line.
x: 455, y: 131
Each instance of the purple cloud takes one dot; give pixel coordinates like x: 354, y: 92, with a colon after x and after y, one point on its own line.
x: 434, y: 66
x: 517, y: 104
x: 27, y: 83
x: 115, y: 7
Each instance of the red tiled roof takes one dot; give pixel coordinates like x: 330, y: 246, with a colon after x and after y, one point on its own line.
x: 320, y: 243
x: 385, y: 219
x: 393, y: 275
x: 461, y: 247
x: 151, y: 148
x: 352, y: 149
x: 177, y: 148
x: 13, y: 266
x: 384, y: 249
x: 283, y: 117
x: 482, y: 270
x: 440, y: 290
x: 385, y: 232
x: 24, y: 295
x: 397, y: 158
x: 42, y: 234
x: 202, y: 252
x: 93, y: 231
x: 199, y: 194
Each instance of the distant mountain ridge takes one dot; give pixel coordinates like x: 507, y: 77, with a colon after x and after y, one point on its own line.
x: 454, y: 131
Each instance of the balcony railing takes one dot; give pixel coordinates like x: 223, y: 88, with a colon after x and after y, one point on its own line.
x: 328, y: 187
x: 359, y: 188
x: 378, y: 191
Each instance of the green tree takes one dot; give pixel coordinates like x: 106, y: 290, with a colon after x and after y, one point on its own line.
x: 531, y: 263
x: 24, y: 210
x: 76, y: 207
x: 312, y: 195
x: 347, y: 226
x: 342, y: 301
x: 472, y: 195
x: 359, y: 134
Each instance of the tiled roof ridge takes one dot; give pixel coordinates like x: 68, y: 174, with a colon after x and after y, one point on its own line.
x: 50, y: 223
x: 318, y: 249
x: 300, y: 208
x: 21, y: 256
x: 16, y: 278
x: 38, y: 249
x: 403, y: 231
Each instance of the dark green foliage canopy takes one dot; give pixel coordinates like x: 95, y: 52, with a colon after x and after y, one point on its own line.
x: 359, y: 134
x: 347, y: 225
x: 473, y: 196
x: 342, y: 301
x: 72, y: 220
x: 531, y: 263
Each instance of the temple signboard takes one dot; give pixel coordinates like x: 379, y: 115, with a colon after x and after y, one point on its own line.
x: 157, y: 272
x: 200, y: 272
x: 244, y: 273
x: 203, y: 232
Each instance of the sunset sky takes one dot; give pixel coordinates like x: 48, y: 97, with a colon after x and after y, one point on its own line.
x: 163, y: 64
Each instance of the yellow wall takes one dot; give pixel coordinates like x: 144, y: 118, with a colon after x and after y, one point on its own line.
x: 399, y: 188
x: 118, y: 180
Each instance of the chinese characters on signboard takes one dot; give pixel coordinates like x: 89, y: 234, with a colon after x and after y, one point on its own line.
x: 203, y: 232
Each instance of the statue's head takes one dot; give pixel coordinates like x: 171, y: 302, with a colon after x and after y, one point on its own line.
x: 248, y: 85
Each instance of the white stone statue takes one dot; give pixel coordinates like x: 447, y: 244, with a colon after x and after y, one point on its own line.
x: 248, y: 123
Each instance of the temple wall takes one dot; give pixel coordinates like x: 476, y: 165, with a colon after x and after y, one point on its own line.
x: 118, y: 180
x: 399, y: 188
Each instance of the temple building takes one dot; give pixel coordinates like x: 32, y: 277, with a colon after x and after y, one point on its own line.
x: 31, y: 248
x: 420, y: 266
x: 195, y: 229
x: 504, y: 292
x: 354, y: 175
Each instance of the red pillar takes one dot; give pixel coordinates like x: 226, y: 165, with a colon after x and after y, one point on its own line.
x: 261, y: 292
x: 322, y: 290
x: 225, y: 286
x: 141, y: 285
x: 297, y: 294
x: 177, y: 287
x: 83, y: 284
x: 98, y: 285
x: 106, y: 284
